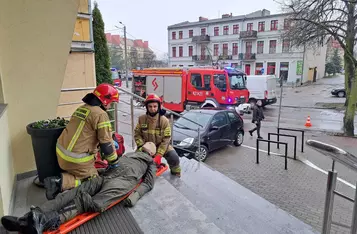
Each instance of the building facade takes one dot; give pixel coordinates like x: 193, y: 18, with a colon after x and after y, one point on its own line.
x: 252, y: 43
x: 138, y: 51
x: 80, y: 70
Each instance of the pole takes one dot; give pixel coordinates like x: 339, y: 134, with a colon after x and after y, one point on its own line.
x: 126, y: 59
x: 354, y: 216
x: 281, y: 98
x: 303, y: 65
x: 331, y: 185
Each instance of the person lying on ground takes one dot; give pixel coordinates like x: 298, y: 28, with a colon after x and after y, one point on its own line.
x: 94, y: 195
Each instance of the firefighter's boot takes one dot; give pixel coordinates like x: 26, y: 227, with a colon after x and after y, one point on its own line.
x: 34, y: 222
x: 176, y: 171
x: 53, y: 187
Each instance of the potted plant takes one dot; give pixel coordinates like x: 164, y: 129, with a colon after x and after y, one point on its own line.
x: 44, y: 135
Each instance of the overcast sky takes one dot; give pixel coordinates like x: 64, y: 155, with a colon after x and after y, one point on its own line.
x: 148, y: 20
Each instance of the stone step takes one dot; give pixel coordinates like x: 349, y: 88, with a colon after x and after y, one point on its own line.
x: 230, y: 206
x: 166, y: 210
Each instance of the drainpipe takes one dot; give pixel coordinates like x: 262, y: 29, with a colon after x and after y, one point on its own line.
x: 303, y: 65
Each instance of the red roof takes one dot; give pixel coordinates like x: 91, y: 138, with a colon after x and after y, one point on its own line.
x: 116, y: 39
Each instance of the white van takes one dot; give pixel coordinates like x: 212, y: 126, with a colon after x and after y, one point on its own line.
x: 262, y: 87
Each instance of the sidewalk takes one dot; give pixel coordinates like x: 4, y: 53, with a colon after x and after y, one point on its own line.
x: 300, y: 190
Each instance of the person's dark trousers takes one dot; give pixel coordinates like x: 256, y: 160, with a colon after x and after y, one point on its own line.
x: 257, y: 128
x: 173, y: 160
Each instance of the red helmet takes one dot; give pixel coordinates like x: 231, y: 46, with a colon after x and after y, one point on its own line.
x: 151, y: 97
x: 106, y: 93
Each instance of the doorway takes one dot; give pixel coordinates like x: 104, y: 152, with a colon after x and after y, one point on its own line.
x: 247, y: 69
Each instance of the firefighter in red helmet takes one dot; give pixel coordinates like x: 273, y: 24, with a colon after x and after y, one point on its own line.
x: 155, y: 127
x: 77, y: 146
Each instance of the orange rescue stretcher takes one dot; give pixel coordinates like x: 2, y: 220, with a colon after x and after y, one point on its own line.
x: 85, y: 217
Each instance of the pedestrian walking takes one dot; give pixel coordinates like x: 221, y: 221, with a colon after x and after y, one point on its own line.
x: 258, y: 116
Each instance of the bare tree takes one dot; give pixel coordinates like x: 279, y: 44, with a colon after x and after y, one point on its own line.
x: 133, y: 58
x: 312, y: 22
x: 148, y: 59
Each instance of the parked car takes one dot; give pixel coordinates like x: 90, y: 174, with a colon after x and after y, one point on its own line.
x: 221, y: 127
x: 339, y: 92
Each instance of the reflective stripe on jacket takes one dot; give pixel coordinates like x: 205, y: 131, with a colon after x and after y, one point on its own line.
x: 88, y: 127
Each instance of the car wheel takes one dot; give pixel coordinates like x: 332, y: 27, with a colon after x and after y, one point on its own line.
x: 239, y: 139
x: 341, y: 94
x: 202, y: 153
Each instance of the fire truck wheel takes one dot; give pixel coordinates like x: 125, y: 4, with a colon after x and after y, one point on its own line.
x: 202, y: 153
x: 239, y: 139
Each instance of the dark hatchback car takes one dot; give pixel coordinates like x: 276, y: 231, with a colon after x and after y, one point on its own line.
x: 339, y: 92
x: 221, y: 127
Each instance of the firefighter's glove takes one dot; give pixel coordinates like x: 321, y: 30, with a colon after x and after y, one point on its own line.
x: 132, y: 199
x: 157, y: 160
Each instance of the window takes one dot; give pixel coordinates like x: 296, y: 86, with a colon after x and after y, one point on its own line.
x: 232, y: 117
x: 258, y: 68
x: 236, y: 81
x: 173, y: 35
x: 215, y: 50
x: 286, y: 45
x: 261, y: 26
x: 225, y: 30
x: 197, y: 117
x: 207, y: 82
x: 287, y: 23
x: 216, y: 31
x: 190, y: 51
x: 219, y: 81
x: 203, y: 31
x: 274, y: 25
x: 173, y: 51
x: 272, y: 47
x: 249, y: 26
x: 236, y: 29
x: 180, y: 34
x: 190, y: 33
x: 260, y: 47
x: 219, y: 120
x: 235, y: 48
x: 196, y: 80
x: 180, y: 51
x: 203, y: 53
x: 225, y: 49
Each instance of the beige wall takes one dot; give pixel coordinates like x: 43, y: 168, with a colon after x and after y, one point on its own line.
x: 6, y: 166
x: 35, y: 38
x: 315, y: 57
x: 79, y: 74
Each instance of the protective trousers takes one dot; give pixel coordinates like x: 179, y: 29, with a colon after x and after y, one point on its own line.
x: 73, y: 178
x: 173, y: 160
x: 94, y: 195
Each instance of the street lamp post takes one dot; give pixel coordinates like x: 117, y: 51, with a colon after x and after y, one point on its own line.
x: 125, y: 56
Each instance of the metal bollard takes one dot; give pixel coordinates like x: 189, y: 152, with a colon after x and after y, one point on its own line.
x: 116, y: 117
x: 331, y: 186
x: 199, y: 145
x: 354, y: 215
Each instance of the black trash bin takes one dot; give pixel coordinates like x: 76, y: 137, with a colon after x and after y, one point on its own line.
x: 44, y: 148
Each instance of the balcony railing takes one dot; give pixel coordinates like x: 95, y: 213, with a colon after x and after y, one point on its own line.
x: 225, y: 57
x: 201, y: 39
x: 252, y: 34
x: 247, y: 56
x: 203, y: 58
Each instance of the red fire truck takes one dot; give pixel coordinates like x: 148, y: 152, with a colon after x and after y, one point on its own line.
x: 183, y: 89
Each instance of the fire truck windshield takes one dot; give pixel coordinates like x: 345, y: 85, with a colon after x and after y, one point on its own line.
x: 236, y: 81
